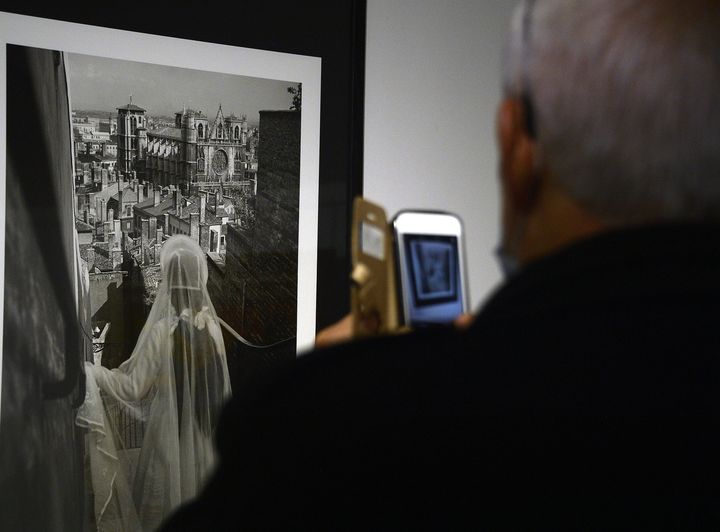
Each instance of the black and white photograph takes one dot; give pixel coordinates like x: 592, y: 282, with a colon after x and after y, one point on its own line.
x: 161, y: 151
x: 159, y: 237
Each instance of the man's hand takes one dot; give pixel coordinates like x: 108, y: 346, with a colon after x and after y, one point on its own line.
x: 336, y: 333
x: 342, y: 331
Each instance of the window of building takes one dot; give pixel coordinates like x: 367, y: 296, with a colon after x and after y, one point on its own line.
x: 200, y: 130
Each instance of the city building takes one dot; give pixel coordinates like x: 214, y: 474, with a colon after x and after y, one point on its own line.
x: 131, y: 139
x: 199, y: 154
x: 203, y: 216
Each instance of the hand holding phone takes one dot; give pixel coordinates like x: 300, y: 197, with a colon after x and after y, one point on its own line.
x: 406, y: 274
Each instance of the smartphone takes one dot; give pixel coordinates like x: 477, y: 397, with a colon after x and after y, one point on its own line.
x: 430, y: 264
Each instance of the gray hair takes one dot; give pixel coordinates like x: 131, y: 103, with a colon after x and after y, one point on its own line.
x: 626, y: 97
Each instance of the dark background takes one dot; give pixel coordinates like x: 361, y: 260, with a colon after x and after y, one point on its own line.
x: 333, y: 31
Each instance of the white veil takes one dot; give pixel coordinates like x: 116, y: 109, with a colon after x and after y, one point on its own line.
x: 152, y: 419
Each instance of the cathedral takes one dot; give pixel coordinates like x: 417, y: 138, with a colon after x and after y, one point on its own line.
x: 196, y: 153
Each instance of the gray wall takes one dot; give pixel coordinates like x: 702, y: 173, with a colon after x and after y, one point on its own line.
x: 432, y: 87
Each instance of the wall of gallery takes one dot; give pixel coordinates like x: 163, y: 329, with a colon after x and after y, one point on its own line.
x: 432, y: 88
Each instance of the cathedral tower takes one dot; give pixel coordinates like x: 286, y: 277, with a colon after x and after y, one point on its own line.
x: 130, y: 118
x: 188, y: 150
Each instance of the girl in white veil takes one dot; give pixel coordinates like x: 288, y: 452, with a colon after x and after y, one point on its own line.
x: 174, y: 384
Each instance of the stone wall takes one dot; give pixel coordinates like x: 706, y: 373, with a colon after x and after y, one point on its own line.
x: 261, y: 258
x: 256, y: 290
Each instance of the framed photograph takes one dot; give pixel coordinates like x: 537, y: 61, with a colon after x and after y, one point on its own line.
x: 118, y: 130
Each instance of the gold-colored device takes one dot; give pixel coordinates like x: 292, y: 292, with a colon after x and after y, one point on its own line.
x: 373, y: 295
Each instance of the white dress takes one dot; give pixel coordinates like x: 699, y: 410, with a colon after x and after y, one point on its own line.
x: 170, y: 392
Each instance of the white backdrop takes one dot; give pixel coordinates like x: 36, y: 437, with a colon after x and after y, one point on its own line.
x: 432, y: 87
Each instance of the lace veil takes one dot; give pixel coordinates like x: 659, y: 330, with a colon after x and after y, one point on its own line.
x: 152, y: 419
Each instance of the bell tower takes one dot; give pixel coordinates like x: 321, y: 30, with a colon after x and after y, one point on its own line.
x: 130, y: 119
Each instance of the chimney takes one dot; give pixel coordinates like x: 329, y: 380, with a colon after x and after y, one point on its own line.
x: 159, y: 235
x: 121, y: 206
x: 103, y: 214
x: 152, y: 229
x: 91, y: 257
x: 107, y: 228
x: 117, y: 259
x: 203, y: 206
x: 111, y: 241
x: 118, y: 229
x: 111, y: 214
x: 156, y: 194
x: 144, y: 237
x: 167, y: 224
x: 195, y: 226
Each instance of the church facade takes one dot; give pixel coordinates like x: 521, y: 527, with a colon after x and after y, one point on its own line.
x: 196, y: 153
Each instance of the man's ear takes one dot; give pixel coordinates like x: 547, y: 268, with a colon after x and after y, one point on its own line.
x: 517, y: 153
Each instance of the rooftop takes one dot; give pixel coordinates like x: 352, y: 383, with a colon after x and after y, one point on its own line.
x: 167, y: 132
x: 82, y: 227
x: 111, y: 191
x: 129, y: 195
x: 131, y: 107
x: 148, y: 207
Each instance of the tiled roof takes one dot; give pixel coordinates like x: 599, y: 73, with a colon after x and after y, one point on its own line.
x: 128, y: 195
x: 167, y: 132
x: 103, y: 257
x: 148, y: 207
x: 191, y: 206
x: 88, y: 158
x: 82, y: 227
x: 111, y: 191
x: 131, y: 107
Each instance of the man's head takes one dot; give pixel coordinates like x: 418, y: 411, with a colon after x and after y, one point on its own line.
x: 623, y: 100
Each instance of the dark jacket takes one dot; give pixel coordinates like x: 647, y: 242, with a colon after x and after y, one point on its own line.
x: 586, y: 394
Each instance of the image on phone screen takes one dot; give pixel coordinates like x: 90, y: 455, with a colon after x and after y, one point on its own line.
x: 434, y: 294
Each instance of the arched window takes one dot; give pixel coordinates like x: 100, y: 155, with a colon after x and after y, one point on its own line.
x: 237, y: 132
x: 200, y: 130
x: 220, y: 131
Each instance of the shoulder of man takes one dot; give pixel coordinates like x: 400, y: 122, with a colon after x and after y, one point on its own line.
x: 355, y: 375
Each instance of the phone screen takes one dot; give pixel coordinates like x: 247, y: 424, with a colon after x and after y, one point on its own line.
x: 432, y: 269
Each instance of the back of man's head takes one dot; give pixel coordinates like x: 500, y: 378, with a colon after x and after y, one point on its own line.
x: 626, y: 102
